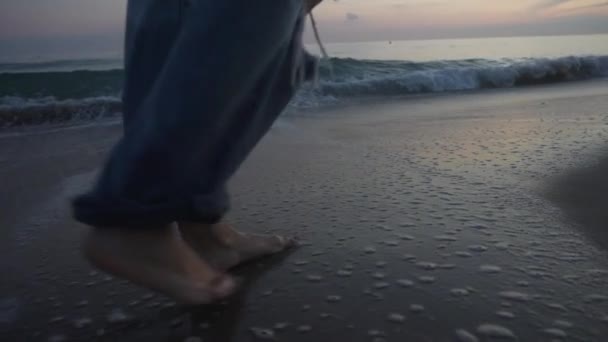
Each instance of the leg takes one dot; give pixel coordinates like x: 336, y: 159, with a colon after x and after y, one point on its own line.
x: 224, y: 80
x: 151, y: 30
x: 229, y: 74
x: 155, y: 258
x: 220, y: 244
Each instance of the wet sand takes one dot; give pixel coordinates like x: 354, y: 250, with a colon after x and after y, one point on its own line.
x: 422, y: 219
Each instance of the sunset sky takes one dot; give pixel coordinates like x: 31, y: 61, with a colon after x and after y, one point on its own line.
x: 64, y: 23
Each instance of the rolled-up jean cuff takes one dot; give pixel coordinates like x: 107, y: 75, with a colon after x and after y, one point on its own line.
x: 101, y: 212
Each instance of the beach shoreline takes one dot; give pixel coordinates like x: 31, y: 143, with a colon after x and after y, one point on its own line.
x: 99, y: 112
x: 419, y: 217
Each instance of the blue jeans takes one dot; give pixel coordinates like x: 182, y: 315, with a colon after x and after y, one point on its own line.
x: 204, y: 81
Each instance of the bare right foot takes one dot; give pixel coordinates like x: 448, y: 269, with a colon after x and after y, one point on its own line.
x: 225, y: 247
x: 157, y: 259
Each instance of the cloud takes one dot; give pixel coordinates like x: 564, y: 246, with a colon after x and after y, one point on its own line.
x: 365, y: 30
x: 351, y: 16
x: 548, y: 4
x: 601, y: 4
x: 418, y: 4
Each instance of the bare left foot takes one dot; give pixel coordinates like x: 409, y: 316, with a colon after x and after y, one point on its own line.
x: 224, y: 247
x: 159, y: 260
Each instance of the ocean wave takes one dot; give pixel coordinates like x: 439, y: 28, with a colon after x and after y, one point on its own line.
x: 350, y: 77
x: 59, y: 96
x: 61, y: 85
x: 17, y: 111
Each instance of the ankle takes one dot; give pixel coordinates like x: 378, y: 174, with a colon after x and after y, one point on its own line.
x: 224, y: 234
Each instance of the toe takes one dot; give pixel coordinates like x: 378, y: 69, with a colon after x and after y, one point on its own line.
x: 286, y: 243
x: 223, y: 286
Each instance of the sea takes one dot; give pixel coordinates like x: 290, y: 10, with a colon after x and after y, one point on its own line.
x: 39, y: 89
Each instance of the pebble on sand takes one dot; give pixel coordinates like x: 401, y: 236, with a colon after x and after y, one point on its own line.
x: 262, y: 333
x: 405, y: 283
x: 416, y: 308
x: 496, y: 331
x: 314, y: 278
x: 281, y: 326
x: 425, y: 265
x: 369, y: 250
x: 381, y: 285
x: 554, y: 332
x: 562, y: 324
x: 426, y: 279
x: 505, y: 314
x: 344, y: 273
x: 465, y: 336
x: 459, y: 292
x: 490, y: 269
x: 118, y: 316
x: 333, y: 298
x: 396, y: 318
x: 477, y: 248
x: 82, y: 322
x: 304, y: 328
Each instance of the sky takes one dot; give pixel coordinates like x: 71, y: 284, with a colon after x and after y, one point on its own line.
x: 98, y: 24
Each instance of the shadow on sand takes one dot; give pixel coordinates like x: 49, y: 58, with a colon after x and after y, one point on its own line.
x: 221, y: 322
x: 218, y: 322
x: 583, y: 196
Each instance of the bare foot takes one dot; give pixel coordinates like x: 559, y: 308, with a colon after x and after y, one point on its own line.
x: 157, y: 259
x: 224, y: 247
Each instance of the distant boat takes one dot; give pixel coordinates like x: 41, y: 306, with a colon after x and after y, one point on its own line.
x: 390, y: 42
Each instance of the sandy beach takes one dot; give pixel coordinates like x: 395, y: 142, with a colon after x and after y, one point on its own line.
x: 467, y: 217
